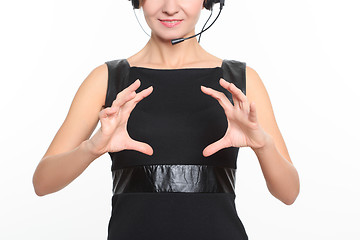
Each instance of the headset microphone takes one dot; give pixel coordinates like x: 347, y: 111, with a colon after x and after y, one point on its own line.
x: 179, y: 40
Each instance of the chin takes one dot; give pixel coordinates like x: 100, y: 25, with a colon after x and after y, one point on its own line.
x: 169, y: 36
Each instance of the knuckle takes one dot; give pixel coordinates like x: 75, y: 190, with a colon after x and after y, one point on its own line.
x: 220, y: 95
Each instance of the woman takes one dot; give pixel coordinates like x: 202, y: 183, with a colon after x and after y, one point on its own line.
x: 173, y: 142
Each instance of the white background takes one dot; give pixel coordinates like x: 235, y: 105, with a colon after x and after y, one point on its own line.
x: 306, y: 52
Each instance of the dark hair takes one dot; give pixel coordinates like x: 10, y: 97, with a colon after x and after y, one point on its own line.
x: 208, y: 4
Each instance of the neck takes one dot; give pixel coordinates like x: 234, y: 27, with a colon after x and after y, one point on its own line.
x: 161, y: 52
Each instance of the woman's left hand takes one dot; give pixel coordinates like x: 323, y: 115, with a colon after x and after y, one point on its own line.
x: 243, y: 127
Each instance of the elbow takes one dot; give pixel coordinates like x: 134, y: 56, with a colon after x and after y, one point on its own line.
x: 294, y: 193
x: 37, y: 187
x: 37, y: 182
x: 292, y: 197
x: 288, y: 197
x: 39, y: 193
x: 290, y: 201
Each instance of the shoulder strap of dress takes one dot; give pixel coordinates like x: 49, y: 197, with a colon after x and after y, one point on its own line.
x: 118, y: 73
x: 235, y: 71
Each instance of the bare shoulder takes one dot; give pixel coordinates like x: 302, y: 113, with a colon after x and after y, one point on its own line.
x: 83, y: 115
x: 255, y: 88
x: 256, y: 92
x: 97, y: 81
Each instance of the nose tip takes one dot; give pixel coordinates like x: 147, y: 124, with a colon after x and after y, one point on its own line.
x: 170, y: 12
x: 170, y: 7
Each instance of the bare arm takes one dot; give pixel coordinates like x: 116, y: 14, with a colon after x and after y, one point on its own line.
x: 57, y: 171
x: 281, y: 176
x: 69, y: 153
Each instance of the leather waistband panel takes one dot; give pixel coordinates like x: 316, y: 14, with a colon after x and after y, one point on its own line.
x: 174, y: 178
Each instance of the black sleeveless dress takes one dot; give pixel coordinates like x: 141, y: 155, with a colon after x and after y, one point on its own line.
x: 177, y: 193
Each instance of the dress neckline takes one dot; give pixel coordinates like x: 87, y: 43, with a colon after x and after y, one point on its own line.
x: 176, y: 69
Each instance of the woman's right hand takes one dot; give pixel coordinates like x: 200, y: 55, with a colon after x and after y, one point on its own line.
x: 113, y: 135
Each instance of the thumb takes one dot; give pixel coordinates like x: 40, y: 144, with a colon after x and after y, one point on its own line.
x: 214, y: 147
x: 252, y: 114
x: 140, y: 146
x: 106, y: 112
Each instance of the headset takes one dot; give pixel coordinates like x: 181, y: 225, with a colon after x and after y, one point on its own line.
x: 207, y: 4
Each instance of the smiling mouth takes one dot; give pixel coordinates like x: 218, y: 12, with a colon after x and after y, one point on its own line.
x: 170, y: 20
x: 170, y: 23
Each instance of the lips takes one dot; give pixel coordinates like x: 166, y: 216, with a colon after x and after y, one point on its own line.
x: 170, y: 22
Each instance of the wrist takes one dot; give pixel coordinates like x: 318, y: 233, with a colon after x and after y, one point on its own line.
x: 89, y: 148
x: 267, y: 143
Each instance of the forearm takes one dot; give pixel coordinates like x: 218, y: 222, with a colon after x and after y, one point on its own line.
x: 57, y: 171
x: 281, y: 176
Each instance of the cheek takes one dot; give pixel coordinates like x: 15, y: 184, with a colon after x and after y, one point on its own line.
x: 193, y: 9
x: 150, y: 15
x: 150, y: 9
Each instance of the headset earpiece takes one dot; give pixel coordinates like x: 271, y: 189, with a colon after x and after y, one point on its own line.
x: 135, y: 3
